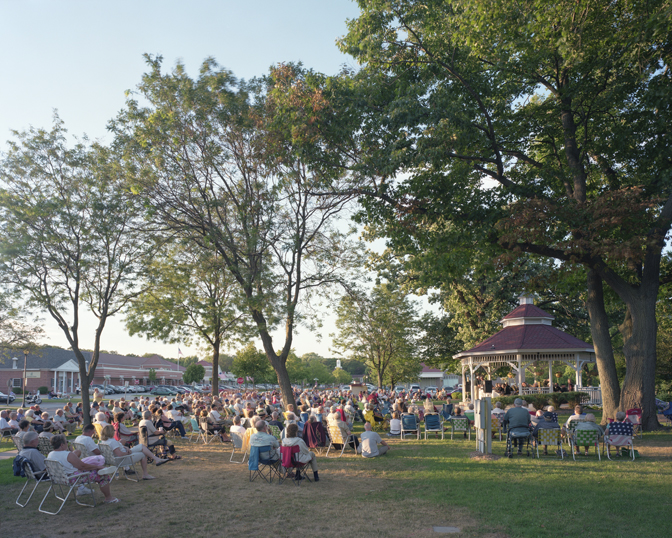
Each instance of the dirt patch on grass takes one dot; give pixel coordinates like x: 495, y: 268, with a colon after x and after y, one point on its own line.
x: 478, y: 456
x: 205, y: 495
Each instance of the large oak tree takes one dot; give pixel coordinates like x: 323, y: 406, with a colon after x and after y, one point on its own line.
x: 540, y: 126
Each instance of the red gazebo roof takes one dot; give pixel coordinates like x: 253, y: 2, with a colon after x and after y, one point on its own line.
x: 529, y: 337
x: 528, y: 328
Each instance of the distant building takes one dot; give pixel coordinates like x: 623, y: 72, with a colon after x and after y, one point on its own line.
x: 435, y: 377
x: 57, y: 369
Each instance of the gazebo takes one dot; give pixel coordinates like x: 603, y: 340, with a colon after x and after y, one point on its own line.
x: 527, y: 337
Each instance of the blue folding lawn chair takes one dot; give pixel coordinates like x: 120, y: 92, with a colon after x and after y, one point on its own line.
x: 409, y: 424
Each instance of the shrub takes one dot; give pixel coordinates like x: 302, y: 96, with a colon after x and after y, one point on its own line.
x: 43, y: 390
x: 541, y: 400
x: 456, y: 396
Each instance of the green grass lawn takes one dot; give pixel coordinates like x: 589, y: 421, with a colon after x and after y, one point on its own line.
x: 527, y: 497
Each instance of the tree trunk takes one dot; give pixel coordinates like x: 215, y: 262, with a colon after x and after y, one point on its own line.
x: 84, y: 389
x: 285, y: 385
x: 639, y: 333
x: 604, y: 352
x: 215, y: 367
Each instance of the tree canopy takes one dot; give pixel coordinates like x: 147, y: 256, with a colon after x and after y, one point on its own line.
x: 535, y: 127
x: 378, y: 329
x: 217, y: 162
x: 72, y: 234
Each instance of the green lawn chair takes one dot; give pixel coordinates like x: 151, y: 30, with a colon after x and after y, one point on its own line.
x: 585, y: 438
x: 460, y: 425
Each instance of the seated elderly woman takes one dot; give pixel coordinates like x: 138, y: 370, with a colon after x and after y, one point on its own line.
x: 156, y: 436
x: 345, y: 432
x: 72, y: 465
x: 139, y: 453
x: 47, y: 430
x: 125, y: 436
x: 304, y: 455
x: 589, y: 424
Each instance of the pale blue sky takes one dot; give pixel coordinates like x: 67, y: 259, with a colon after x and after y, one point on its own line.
x: 79, y: 57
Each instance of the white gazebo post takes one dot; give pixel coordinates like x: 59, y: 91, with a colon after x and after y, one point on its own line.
x: 464, y: 384
x: 55, y: 380
x: 471, y: 378
x: 550, y: 376
x: 519, y: 357
x: 72, y: 382
x: 578, y: 383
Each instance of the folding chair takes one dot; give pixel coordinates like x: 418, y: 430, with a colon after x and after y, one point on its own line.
x: 275, y: 432
x: 195, y: 430
x: 84, y: 453
x: 60, y: 480
x: 551, y: 438
x: 18, y: 443
x: 620, y: 435
x: 409, y: 424
x: 460, y: 425
x: 44, y: 446
x: 634, y: 416
x: 315, y: 436
x: 585, y: 438
x: 6, y: 435
x: 336, y: 438
x: 262, y: 466
x: 237, y: 442
x: 119, y: 462
x: 496, y: 425
x: 433, y: 424
x: 207, y: 435
x: 158, y: 448
x: 290, y: 462
x: 667, y: 412
x: 38, y: 478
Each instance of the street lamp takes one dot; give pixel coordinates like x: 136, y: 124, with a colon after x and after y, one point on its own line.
x: 25, y: 361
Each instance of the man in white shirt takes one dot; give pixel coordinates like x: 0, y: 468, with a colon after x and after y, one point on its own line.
x: 92, y: 449
x: 370, y: 441
x: 86, y: 440
x: 237, y: 428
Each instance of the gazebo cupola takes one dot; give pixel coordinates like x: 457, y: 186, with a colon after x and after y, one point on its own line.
x: 527, y: 336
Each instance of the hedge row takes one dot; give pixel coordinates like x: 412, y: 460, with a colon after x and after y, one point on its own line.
x: 540, y: 400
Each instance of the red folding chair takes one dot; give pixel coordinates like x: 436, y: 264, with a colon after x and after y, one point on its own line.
x: 289, y: 461
x: 634, y: 416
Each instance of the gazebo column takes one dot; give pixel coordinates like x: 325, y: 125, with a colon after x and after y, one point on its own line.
x: 471, y: 378
x: 464, y: 384
x: 579, y: 373
x: 519, y: 357
x: 550, y: 376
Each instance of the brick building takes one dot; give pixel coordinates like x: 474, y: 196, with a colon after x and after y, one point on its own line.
x: 57, y: 369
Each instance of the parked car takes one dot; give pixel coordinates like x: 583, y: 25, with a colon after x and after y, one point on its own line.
x: 162, y: 391
x: 399, y: 388
x: 6, y: 398
x: 414, y: 388
x: 431, y: 390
